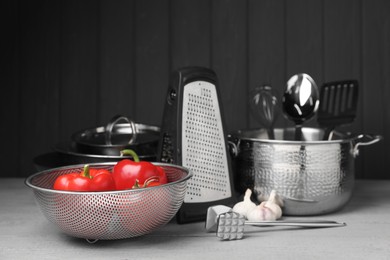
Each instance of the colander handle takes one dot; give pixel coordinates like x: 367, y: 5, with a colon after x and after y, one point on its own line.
x: 115, y: 120
x: 365, y: 139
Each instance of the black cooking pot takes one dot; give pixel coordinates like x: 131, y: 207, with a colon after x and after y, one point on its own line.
x: 103, y: 144
x: 116, y: 136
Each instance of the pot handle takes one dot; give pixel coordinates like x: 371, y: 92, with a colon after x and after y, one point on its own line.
x: 365, y: 139
x: 233, y: 148
x: 115, y: 120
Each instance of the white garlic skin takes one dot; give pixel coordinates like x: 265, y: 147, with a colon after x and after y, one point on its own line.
x: 245, y: 206
x: 277, y: 211
x: 276, y: 198
x: 269, y: 210
x: 261, y: 213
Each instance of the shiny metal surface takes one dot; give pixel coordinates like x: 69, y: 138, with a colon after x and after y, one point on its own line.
x: 230, y: 225
x: 112, y: 214
x: 300, y: 101
x: 265, y: 107
x: 338, y: 104
x: 313, y: 176
x: 109, y: 140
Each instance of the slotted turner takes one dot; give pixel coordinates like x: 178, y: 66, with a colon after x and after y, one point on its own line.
x: 230, y: 225
x: 338, y: 104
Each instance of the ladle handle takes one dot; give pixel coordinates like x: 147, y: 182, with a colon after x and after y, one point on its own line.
x: 270, y: 132
x: 298, y: 132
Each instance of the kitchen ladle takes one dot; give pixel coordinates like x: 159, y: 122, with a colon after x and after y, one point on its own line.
x: 264, y: 105
x: 300, y: 101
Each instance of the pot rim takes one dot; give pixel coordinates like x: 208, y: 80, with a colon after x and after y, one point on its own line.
x: 339, y: 137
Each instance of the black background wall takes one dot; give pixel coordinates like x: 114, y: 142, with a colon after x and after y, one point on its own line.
x: 70, y: 65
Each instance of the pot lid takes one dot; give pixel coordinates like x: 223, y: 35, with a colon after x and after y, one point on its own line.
x: 120, y: 133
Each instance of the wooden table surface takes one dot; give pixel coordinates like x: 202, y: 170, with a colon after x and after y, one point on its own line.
x: 26, y: 234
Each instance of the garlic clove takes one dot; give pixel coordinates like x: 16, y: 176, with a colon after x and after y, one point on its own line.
x: 246, y: 205
x: 275, y: 198
x: 267, y: 210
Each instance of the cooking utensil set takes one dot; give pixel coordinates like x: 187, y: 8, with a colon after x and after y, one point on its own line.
x: 335, y: 104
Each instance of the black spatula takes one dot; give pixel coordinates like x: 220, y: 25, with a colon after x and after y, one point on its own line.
x: 338, y: 103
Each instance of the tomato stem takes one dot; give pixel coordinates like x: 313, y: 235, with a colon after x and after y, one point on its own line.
x: 131, y: 153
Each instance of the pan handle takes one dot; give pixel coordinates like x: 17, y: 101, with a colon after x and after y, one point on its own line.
x: 115, y: 120
x: 365, y: 139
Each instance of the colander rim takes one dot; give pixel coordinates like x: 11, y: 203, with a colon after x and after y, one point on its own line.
x: 28, y: 180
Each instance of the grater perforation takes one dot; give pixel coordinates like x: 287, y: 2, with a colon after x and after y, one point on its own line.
x: 203, y: 143
x: 193, y: 121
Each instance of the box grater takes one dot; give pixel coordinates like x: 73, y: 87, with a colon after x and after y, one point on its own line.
x: 192, y: 135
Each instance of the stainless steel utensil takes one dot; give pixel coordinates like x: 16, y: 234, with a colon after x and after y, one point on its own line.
x: 300, y: 101
x: 264, y: 105
x: 229, y: 225
x: 193, y: 135
x: 338, y: 103
x: 316, y: 179
x: 110, y: 214
x: 119, y: 133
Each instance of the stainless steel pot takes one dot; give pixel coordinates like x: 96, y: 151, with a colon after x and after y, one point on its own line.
x: 313, y: 176
x: 120, y: 133
x: 103, y: 144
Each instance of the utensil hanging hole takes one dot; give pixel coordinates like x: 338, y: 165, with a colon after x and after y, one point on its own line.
x: 172, y: 96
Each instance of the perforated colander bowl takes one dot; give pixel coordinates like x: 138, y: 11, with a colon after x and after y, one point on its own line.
x: 112, y: 214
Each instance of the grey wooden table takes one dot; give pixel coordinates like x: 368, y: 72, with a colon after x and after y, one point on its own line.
x: 26, y: 234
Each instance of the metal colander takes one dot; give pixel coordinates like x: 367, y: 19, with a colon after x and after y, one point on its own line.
x: 112, y: 214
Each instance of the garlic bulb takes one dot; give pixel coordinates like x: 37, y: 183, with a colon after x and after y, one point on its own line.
x: 275, y: 203
x: 273, y: 196
x: 261, y: 213
x: 243, y: 207
x: 267, y: 210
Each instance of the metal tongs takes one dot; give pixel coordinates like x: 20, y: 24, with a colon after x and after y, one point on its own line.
x: 229, y: 225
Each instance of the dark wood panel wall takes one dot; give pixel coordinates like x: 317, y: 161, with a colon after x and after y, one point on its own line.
x: 70, y: 65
